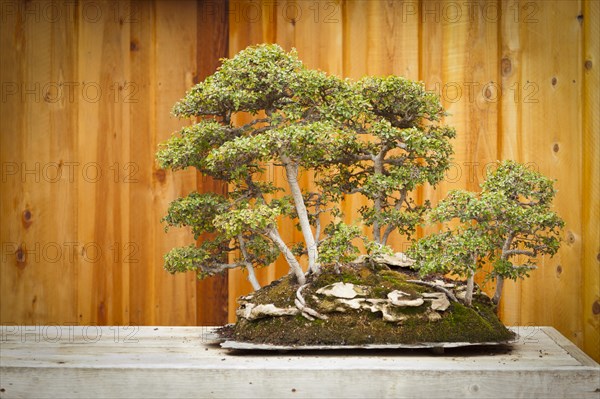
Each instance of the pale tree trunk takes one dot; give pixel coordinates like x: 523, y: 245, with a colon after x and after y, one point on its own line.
x: 390, y: 228
x: 295, y: 267
x: 377, y: 205
x: 500, y: 279
x: 251, y: 275
x: 498, y: 293
x: 470, y: 286
x: 291, y: 171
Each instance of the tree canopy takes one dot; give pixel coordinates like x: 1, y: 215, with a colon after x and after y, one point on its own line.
x: 379, y: 137
x: 509, y: 224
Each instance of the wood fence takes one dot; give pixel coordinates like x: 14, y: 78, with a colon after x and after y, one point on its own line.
x: 87, y: 90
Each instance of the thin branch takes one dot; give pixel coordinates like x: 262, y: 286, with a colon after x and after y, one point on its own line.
x: 511, y: 252
x: 295, y: 267
x: 435, y: 286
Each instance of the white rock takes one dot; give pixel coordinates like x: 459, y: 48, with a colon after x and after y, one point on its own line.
x: 343, y: 290
x: 252, y: 312
x: 388, y: 316
x: 375, y: 305
x: 442, y: 283
x: 351, y: 303
x: 396, y: 298
x: 439, y: 300
x: 398, y: 259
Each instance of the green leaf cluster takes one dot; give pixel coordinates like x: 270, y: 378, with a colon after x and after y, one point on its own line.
x: 509, y: 224
x: 379, y: 137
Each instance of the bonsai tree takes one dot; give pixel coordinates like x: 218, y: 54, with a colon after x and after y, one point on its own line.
x: 379, y: 137
x: 401, y: 146
x: 509, y: 224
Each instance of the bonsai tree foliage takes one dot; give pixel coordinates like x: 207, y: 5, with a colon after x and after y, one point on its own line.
x: 401, y: 146
x: 509, y: 224
x: 379, y: 137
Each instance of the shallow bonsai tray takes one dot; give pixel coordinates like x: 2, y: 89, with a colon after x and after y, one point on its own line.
x: 149, y: 362
x: 435, y: 346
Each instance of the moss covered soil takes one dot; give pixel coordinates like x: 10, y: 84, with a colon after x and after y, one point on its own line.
x: 458, y: 323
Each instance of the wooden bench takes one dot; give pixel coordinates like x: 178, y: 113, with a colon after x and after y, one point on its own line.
x: 150, y: 362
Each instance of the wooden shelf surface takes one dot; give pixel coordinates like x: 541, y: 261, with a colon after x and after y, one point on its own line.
x: 132, y: 362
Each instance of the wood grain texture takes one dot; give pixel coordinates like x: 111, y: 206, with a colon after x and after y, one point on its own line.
x: 590, y: 201
x: 519, y: 78
x: 213, y: 42
x: 548, y: 105
x: 38, y: 233
x: 86, y: 98
x: 180, y: 361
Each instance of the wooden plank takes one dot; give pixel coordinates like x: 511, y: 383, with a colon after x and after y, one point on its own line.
x: 38, y: 196
x: 509, y: 124
x: 103, y: 150
x: 144, y: 218
x: 174, y: 297
x: 212, y: 40
x: 43, y: 361
x: 570, y: 347
x: 590, y: 208
x: 551, y: 140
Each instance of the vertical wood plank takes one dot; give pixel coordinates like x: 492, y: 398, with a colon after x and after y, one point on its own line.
x: 103, y: 151
x: 145, y: 229
x: 550, y: 117
x: 590, y: 208
x: 174, y: 297
x: 510, y: 130
x: 38, y: 197
x: 213, y: 39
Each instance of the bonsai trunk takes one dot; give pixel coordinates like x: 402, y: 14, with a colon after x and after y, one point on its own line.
x: 500, y: 279
x: 295, y: 267
x: 470, y: 285
x: 291, y: 171
x: 377, y: 205
x: 251, y: 275
x: 498, y: 293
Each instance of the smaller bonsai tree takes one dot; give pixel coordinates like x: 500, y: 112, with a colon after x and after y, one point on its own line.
x: 509, y: 224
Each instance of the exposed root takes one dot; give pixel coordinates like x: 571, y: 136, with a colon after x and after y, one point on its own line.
x: 307, y: 312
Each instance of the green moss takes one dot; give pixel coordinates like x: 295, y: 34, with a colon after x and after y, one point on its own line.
x: 459, y: 323
x: 280, y: 293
